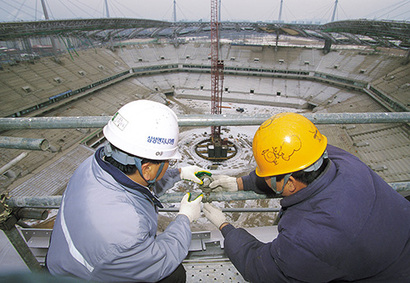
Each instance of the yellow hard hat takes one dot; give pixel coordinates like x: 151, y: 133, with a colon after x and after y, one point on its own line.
x: 286, y: 143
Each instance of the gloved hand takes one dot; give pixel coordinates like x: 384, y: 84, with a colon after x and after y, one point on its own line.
x: 191, y: 208
x: 189, y: 173
x: 215, y: 215
x: 224, y: 183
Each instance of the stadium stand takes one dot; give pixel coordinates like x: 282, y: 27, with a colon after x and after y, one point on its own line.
x: 283, y: 88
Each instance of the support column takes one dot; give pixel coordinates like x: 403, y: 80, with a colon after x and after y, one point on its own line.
x: 27, y: 45
x: 52, y: 39
x: 328, y: 45
x: 407, y: 60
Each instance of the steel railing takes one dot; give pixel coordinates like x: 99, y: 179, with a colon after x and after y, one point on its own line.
x: 10, y: 206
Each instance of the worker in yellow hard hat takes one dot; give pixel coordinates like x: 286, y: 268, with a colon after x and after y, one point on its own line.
x: 287, y: 143
x: 339, y: 220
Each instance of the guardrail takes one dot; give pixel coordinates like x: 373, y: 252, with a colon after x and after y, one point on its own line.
x: 183, y: 121
x: 204, y: 120
x: 9, y: 207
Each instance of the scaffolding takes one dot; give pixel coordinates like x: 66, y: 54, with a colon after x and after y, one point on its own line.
x: 14, y: 208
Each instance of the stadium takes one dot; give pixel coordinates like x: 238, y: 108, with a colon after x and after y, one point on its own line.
x: 61, y: 80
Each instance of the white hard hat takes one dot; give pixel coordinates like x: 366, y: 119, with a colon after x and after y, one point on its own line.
x: 145, y: 129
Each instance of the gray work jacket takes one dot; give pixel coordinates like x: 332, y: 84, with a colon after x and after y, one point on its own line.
x: 106, y: 228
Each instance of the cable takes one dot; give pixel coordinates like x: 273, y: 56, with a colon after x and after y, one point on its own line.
x: 128, y: 9
x: 87, y: 7
x: 62, y: 3
x: 388, y: 12
x: 226, y: 12
x: 184, y: 16
x: 347, y: 17
x: 14, y: 7
x: 272, y: 14
x: 18, y: 11
x: 115, y: 8
x: 399, y: 4
x: 403, y: 14
x: 166, y: 13
x: 383, y: 9
x: 326, y: 10
x: 290, y: 12
x: 35, y: 14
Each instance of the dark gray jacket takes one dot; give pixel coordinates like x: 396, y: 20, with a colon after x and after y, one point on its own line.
x: 348, y: 225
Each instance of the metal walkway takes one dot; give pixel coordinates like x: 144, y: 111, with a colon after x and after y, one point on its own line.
x: 206, y: 261
x: 53, y: 179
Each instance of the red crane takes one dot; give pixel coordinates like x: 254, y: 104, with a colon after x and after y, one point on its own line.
x: 217, y: 72
x: 216, y: 148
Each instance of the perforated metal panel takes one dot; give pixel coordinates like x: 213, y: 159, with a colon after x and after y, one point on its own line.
x: 212, y: 271
x: 53, y: 178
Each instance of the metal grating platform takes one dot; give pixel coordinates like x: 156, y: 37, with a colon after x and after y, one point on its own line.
x: 212, y: 271
x: 54, y: 178
x: 206, y: 260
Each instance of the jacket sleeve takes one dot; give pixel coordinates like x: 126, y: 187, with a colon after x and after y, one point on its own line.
x: 171, y: 176
x: 150, y: 258
x: 251, y: 257
x: 252, y: 182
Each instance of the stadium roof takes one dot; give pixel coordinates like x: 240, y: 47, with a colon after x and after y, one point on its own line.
x: 380, y: 31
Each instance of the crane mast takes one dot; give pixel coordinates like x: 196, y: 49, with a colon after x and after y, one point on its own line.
x: 215, y: 148
x: 217, y: 76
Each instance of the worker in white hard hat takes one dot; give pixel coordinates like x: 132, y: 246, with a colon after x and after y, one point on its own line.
x: 106, y: 228
x: 339, y: 222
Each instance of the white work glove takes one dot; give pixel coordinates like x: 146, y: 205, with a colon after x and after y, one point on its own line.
x: 191, y: 208
x: 189, y: 173
x: 215, y: 215
x: 223, y: 183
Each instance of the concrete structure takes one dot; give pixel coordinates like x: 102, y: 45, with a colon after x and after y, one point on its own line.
x: 259, y: 77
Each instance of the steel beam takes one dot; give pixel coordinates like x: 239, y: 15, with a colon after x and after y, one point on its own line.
x: 11, y: 30
x: 7, y: 224
x: 204, y: 120
x: 55, y: 201
x: 23, y: 250
x: 16, y: 160
x: 24, y: 143
x: 231, y: 210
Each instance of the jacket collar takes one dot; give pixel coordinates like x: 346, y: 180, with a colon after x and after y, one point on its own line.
x: 121, y: 178
x: 314, y: 188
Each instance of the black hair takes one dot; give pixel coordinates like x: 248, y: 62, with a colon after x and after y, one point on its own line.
x: 131, y: 168
x: 306, y: 177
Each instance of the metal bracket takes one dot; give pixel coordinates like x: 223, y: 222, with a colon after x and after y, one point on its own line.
x: 7, y: 218
x: 207, y: 180
x: 197, y: 240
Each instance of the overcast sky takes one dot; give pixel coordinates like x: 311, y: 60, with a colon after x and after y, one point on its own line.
x: 194, y: 10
